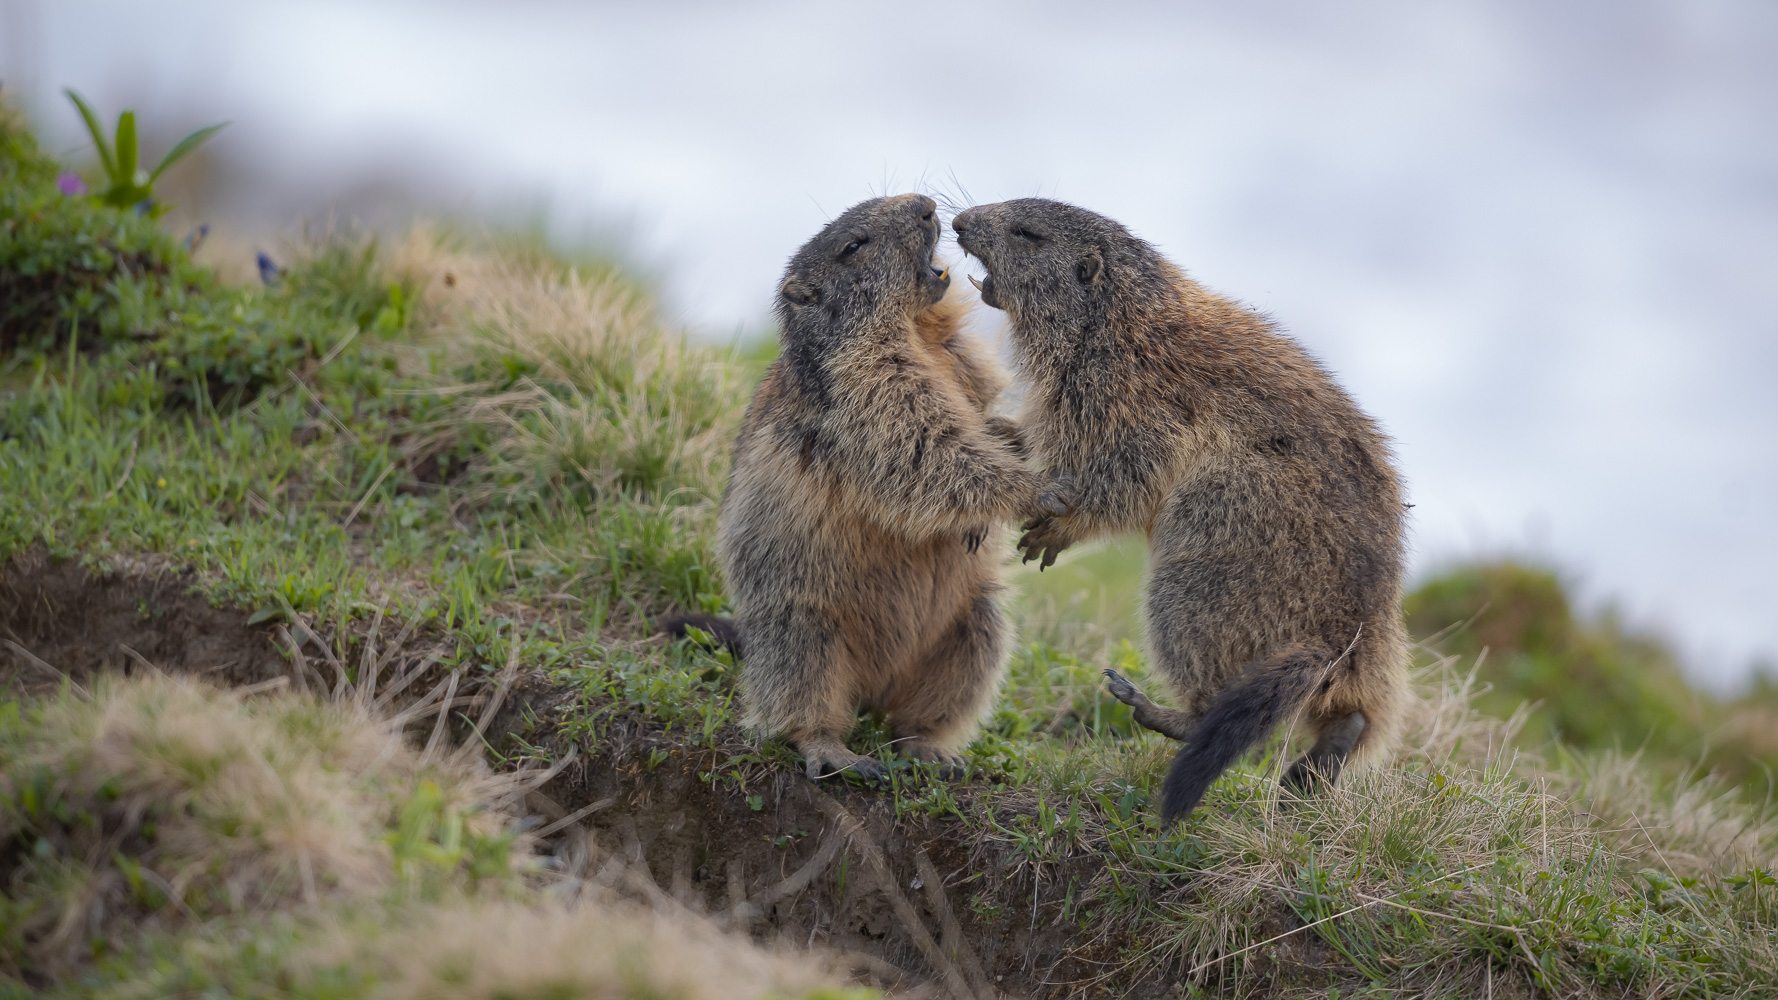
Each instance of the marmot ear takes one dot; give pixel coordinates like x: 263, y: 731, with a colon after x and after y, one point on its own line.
x: 1089, y: 267
x: 799, y: 294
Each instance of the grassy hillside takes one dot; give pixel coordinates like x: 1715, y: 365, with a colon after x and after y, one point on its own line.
x: 434, y: 495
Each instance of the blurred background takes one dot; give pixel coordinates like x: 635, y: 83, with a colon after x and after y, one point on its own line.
x: 1537, y: 241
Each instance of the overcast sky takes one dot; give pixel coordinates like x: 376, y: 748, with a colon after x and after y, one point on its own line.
x: 1538, y: 241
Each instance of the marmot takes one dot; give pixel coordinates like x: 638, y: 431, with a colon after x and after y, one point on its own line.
x: 1273, y: 511
x: 865, y: 478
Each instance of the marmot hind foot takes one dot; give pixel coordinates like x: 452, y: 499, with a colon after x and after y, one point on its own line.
x: 1169, y: 722
x: 946, y: 765
x: 1320, y: 767
x: 827, y: 757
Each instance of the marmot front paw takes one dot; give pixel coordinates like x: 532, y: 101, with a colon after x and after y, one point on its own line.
x: 1045, y: 537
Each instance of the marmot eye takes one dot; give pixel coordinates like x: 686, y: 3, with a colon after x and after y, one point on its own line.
x: 1027, y: 234
x: 852, y: 248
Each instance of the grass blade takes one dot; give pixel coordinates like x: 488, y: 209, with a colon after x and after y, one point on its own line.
x: 126, y: 150
x: 92, y: 126
x: 184, y: 148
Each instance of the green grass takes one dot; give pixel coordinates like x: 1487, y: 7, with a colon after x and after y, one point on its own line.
x: 1095, y: 593
x: 1592, y: 681
x: 519, y: 460
x: 314, y: 493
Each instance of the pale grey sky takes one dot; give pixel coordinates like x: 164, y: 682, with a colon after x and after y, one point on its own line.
x: 1538, y: 241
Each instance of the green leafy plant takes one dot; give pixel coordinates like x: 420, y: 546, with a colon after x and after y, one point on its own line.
x: 131, y: 184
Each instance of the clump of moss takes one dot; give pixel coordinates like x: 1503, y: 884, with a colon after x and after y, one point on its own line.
x: 67, y: 261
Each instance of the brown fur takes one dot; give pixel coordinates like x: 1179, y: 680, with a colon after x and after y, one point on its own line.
x: 979, y: 378
x: 864, y: 478
x: 1270, y: 501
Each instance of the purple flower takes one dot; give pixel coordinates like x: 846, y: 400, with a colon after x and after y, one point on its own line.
x: 71, y: 184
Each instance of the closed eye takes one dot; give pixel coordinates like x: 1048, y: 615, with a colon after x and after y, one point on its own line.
x: 1024, y: 233
x: 852, y: 247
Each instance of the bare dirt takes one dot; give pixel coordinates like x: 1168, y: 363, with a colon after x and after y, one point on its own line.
x: 917, y: 903
x: 84, y: 623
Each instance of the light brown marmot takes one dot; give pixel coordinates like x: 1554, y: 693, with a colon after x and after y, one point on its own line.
x: 866, y: 476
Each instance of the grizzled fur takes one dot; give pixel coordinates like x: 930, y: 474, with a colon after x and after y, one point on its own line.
x: 866, y: 477
x: 1271, y: 503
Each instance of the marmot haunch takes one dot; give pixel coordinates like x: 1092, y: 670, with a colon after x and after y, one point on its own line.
x: 1272, y: 508
x: 866, y: 477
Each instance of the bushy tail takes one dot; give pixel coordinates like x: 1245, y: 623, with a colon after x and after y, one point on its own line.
x: 1240, y: 717
x: 723, y: 630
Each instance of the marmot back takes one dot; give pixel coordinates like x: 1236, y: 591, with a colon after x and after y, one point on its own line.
x: 1270, y: 500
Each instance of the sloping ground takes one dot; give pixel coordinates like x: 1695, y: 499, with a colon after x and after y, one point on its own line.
x: 448, y: 489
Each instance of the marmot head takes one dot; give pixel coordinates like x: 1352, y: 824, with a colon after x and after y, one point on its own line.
x: 1053, y: 266
x: 875, y: 259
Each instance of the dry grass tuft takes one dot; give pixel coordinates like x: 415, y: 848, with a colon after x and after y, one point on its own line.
x: 165, y: 800
x: 1688, y: 827
x: 576, y: 375
x: 599, y: 947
